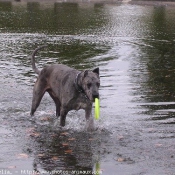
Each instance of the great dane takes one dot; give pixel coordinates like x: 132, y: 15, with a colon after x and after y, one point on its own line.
x: 69, y: 88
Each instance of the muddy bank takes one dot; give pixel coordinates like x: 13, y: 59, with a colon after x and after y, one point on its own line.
x: 66, y: 1
x: 153, y: 3
x: 134, y: 2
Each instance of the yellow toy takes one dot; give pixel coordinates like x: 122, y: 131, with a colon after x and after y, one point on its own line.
x: 97, y: 108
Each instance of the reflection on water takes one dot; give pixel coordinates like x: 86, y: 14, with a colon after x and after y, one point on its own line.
x: 51, y: 18
x: 134, y: 48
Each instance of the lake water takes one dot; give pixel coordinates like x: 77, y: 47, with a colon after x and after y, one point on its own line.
x: 134, y: 47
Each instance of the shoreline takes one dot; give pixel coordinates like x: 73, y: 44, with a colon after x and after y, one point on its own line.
x: 153, y: 3
x: 132, y: 2
x: 139, y: 2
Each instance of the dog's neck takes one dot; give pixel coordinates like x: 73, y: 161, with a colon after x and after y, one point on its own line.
x: 78, y: 85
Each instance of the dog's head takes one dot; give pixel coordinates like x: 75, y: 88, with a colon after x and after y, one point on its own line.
x: 91, y: 83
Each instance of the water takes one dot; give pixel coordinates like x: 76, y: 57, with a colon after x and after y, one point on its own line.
x: 134, y: 48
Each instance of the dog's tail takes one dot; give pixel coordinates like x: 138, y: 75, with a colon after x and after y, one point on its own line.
x: 35, y: 69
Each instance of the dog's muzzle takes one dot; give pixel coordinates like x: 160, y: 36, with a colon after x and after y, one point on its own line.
x: 94, y: 96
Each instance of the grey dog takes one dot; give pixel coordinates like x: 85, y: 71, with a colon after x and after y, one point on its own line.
x: 69, y: 88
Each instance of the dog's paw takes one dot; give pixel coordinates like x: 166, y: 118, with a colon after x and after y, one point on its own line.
x: 90, y: 125
x: 56, y: 123
x: 90, y: 129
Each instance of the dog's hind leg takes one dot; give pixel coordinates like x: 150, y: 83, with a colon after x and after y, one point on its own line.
x: 38, y: 93
x: 57, y: 102
x: 63, y: 114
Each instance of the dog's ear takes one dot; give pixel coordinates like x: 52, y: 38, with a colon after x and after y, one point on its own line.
x: 96, y: 70
x: 85, y: 73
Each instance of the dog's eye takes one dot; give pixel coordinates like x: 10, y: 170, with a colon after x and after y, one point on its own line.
x: 89, y: 85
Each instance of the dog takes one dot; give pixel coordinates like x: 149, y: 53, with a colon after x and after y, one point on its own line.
x: 69, y: 88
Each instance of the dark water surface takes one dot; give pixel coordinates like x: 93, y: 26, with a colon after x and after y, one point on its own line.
x: 134, y: 46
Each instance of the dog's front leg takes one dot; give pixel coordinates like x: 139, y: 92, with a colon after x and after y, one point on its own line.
x: 89, y: 119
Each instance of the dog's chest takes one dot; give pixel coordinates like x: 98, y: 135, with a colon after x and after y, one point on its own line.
x: 80, y: 103
x: 80, y: 106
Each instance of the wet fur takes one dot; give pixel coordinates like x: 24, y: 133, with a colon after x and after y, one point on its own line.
x: 59, y: 81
